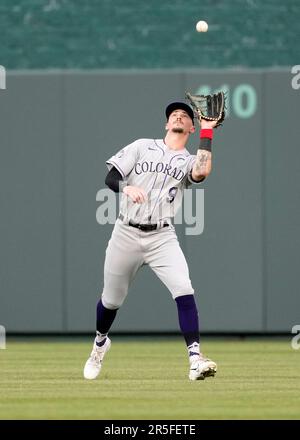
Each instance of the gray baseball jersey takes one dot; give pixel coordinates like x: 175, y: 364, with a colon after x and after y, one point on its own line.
x: 163, y: 173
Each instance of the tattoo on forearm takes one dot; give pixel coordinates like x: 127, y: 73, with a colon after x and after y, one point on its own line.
x: 201, y: 162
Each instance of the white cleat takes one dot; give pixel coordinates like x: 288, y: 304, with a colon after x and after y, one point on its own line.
x: 93, y: 365
x: 201, y: 368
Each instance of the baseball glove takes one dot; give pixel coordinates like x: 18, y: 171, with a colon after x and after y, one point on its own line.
x: 209, y: 107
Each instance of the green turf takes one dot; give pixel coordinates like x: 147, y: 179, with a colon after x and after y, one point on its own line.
x: 147, y: 379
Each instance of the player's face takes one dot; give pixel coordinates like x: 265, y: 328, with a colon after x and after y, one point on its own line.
x: 180, y: 122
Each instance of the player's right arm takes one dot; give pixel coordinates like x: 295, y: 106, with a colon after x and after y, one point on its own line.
x: 120, y: 166
x: 116, y: 183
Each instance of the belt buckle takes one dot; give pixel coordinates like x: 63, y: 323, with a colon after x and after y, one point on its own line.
x: 142, y: 227
x: 145, y: 228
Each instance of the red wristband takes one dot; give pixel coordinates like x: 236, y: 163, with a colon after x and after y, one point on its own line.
x: 206, y: 133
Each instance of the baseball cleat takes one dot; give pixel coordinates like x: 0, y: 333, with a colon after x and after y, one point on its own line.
x: 93, y: 365
x: 201, y: 368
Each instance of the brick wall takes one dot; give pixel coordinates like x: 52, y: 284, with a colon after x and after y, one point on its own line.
x: 148, y: 33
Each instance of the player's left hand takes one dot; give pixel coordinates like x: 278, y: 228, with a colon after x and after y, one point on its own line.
x: 207, y: 124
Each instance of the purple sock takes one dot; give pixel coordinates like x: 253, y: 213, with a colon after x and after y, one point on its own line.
x: 188, y: 318
x: 105, y: 318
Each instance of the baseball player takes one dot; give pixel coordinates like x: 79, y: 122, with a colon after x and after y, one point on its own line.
x: 152, y: 174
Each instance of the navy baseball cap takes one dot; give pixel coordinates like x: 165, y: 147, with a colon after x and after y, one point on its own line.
x: 179, y: 105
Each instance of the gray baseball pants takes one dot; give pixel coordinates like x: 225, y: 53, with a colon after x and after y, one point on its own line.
x: 130, y: 248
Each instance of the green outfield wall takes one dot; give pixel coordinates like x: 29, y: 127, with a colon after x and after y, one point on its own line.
x: 57, y: 129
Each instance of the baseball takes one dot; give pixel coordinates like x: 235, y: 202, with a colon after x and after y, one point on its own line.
x: 201, y: 26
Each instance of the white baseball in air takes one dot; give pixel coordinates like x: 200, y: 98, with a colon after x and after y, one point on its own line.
x: 201, y: 26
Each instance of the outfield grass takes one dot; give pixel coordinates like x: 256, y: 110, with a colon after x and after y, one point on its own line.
x: 147, y: 379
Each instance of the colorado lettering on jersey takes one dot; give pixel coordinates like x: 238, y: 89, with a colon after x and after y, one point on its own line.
x: 159, y: 167
x: 163, y: 173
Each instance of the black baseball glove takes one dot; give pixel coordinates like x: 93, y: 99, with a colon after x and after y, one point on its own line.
x: 209, y: 107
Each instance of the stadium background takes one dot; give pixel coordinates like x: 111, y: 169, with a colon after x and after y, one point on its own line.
x: 84, y: 79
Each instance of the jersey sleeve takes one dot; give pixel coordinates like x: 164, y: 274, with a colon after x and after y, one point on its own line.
x: 125, y: 159
x: 189, y: 179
